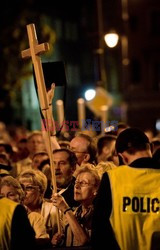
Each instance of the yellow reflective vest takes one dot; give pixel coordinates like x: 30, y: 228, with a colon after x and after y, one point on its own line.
x: 135, y: 212
x: 7, y: 208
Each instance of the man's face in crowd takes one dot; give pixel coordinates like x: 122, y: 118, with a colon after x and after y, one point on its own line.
x: 63, y: 169
x: 38, y: 159
x: 79, y: 146
x: 36, y: 144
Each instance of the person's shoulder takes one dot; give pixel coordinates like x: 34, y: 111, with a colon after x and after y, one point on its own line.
x: 105, y: 179
x: 24, y: 161
x: 7, y: 203
x: 35, y: 217
x: 118, y: 170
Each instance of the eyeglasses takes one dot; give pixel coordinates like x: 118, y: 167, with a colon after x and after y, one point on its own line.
x: 74, y: 151
x: 83, y: 183
x: 77, y: 152
x: 9, y: 195
x: 29, y: 188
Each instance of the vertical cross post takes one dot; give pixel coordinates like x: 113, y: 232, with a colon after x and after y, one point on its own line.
x: 34, y: 52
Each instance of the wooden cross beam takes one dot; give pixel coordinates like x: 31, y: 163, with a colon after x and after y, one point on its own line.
x: 34, y: 52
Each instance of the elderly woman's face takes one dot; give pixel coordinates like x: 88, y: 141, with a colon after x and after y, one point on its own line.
x: 10, y: 192
x: 32, y: 193
x: 85, y: 189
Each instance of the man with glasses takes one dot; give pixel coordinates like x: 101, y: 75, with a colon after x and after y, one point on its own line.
x: 83, y: 146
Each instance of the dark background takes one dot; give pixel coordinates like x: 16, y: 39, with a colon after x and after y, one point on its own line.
x: 71, y: 28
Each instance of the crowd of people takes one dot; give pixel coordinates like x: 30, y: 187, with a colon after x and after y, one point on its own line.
x: 107, y: 191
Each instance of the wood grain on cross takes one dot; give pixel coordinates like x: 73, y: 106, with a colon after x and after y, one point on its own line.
x: 34, y: 52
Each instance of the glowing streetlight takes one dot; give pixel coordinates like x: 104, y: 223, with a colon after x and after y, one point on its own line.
x: 111, y: 39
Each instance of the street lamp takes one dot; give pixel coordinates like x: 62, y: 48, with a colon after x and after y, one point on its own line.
x: 111, y: 39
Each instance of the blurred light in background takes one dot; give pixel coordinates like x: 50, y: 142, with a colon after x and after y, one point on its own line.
x: 158, y: 125
x: 89, y: 94
x: 100, y: 99
x: 111, y: 39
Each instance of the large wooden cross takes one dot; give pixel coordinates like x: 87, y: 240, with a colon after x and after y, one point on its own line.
x: 34, y: 52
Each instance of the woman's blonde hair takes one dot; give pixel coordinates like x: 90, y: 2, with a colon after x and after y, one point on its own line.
x: 103, y: 167
x: 36, y: 177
